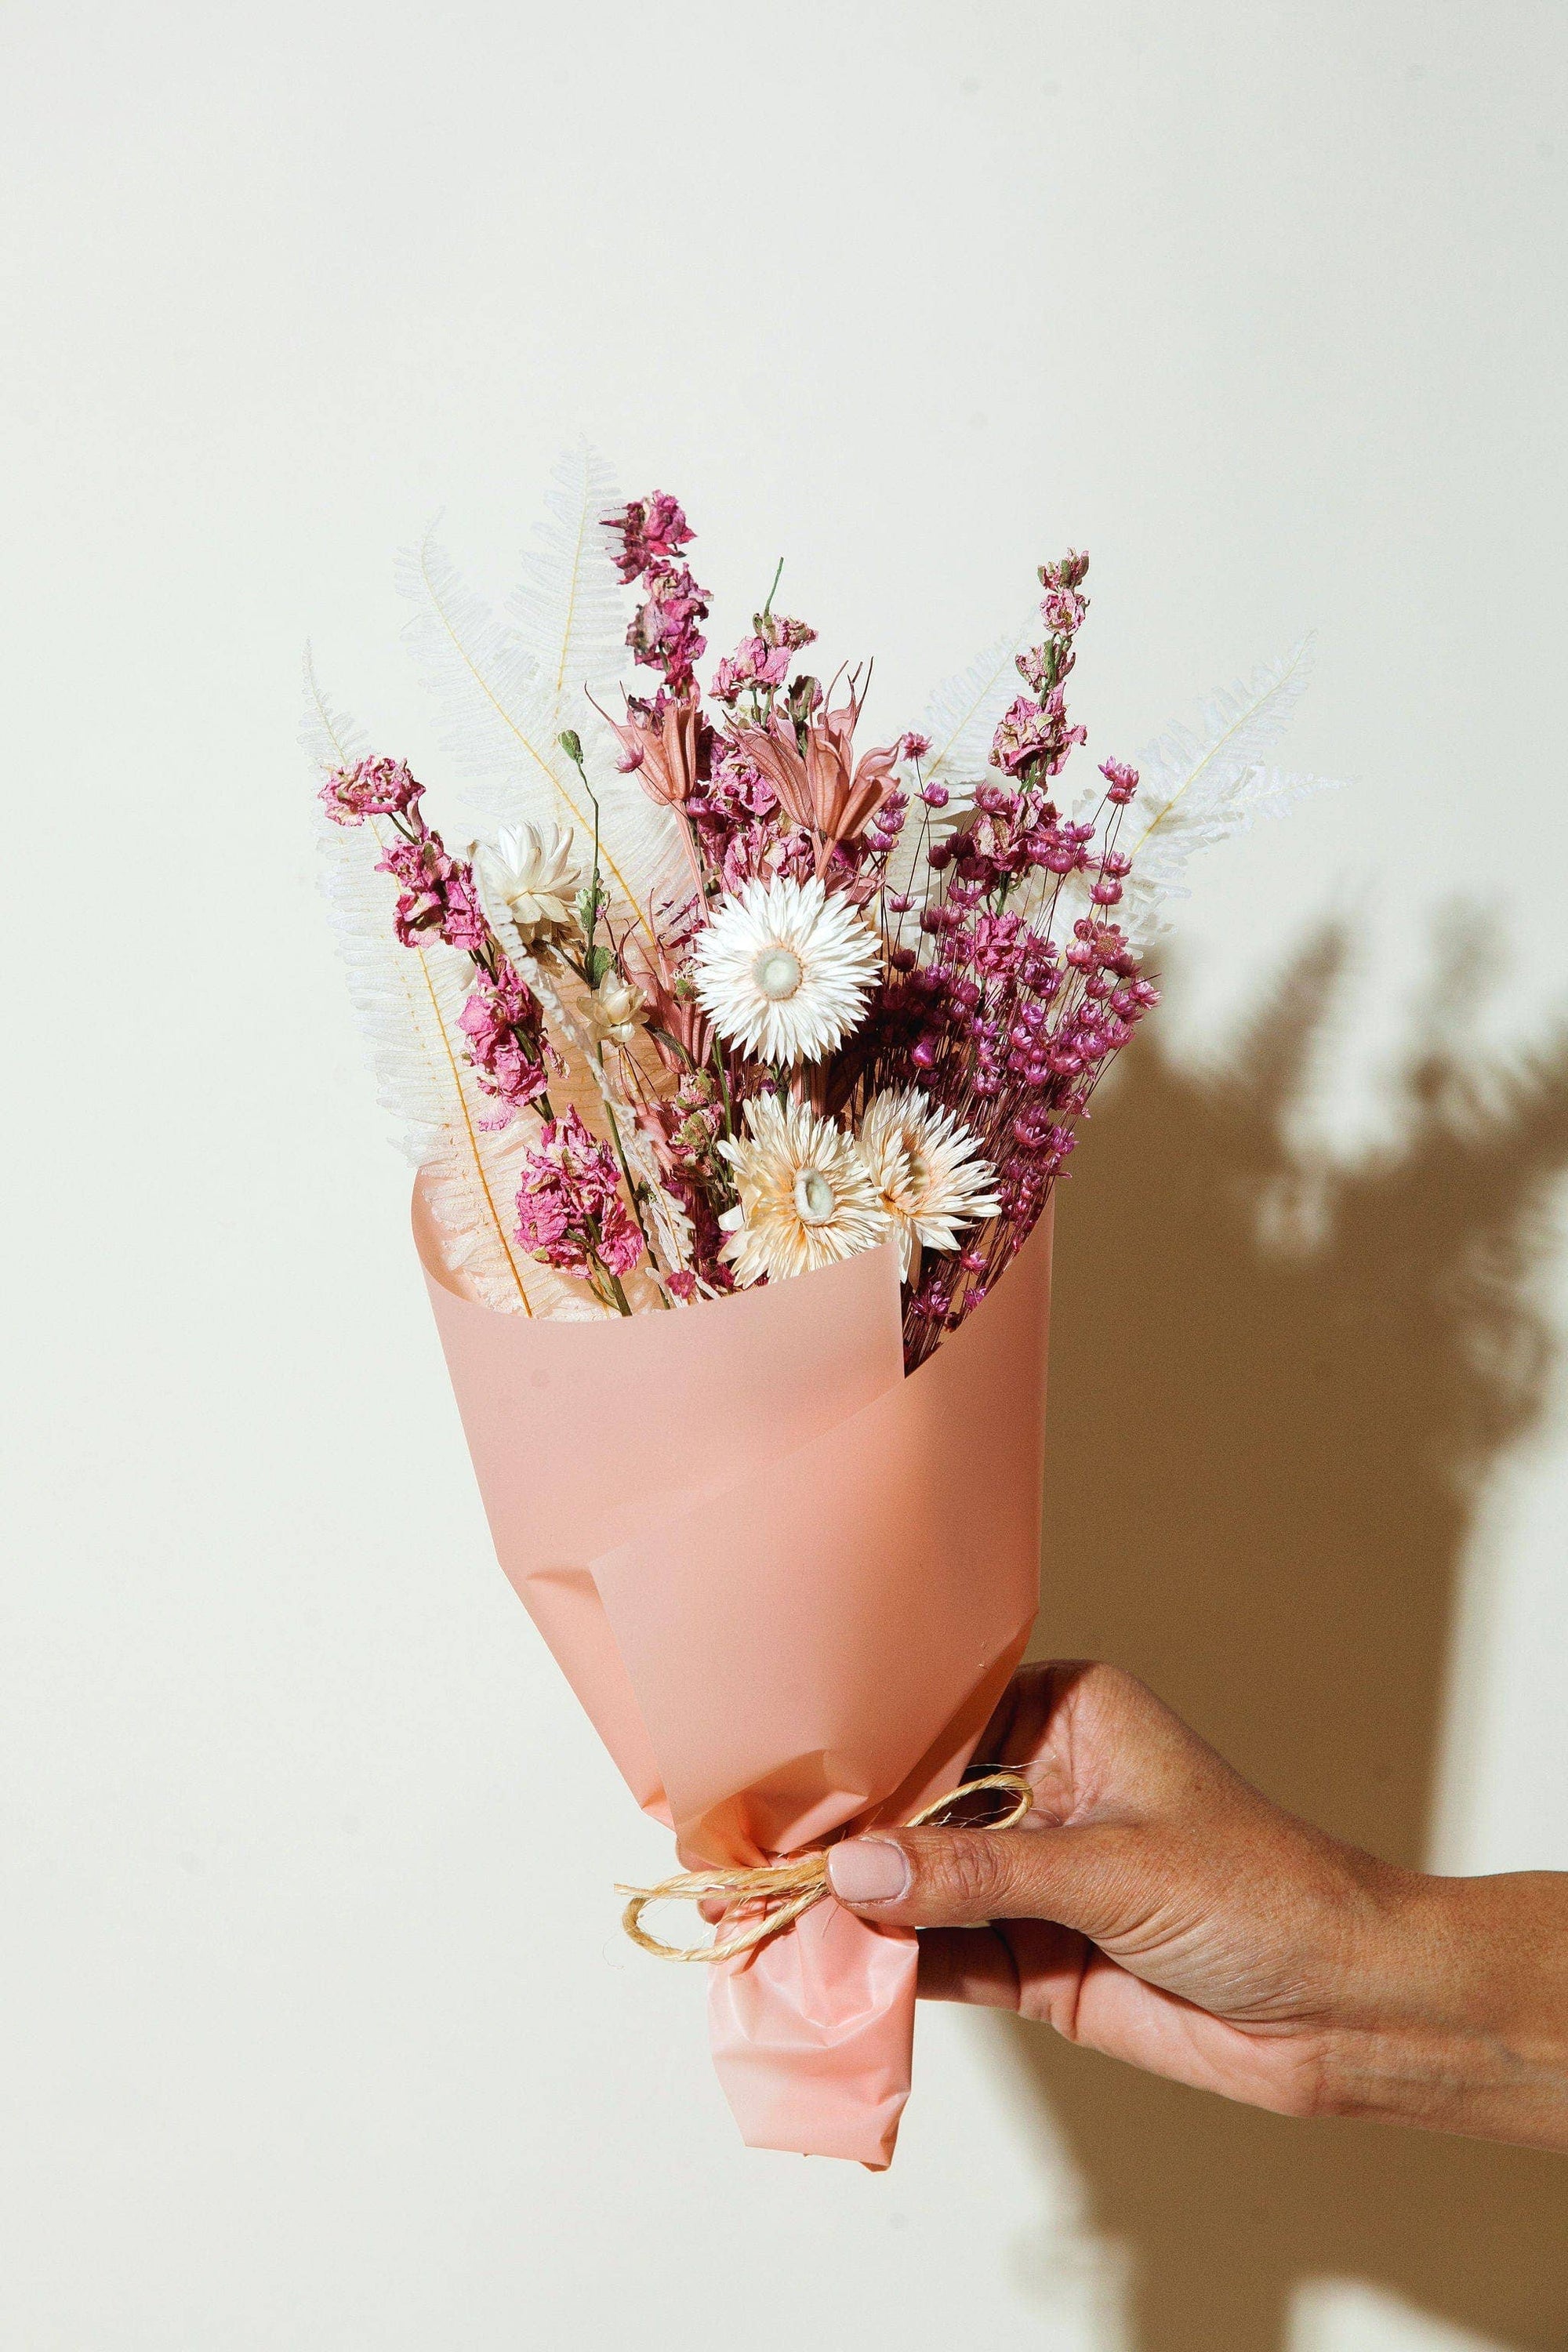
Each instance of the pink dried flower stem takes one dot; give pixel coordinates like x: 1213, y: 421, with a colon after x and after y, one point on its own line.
x: 570, y: 1213
x: 592, y: 966
x: 664, y: 637
x: 502, y: 1024
x: 663, y: 634
x: 503, y: 1021
x: 1019, y: 1031
x: 759, y: 667
x: 684, y: 1131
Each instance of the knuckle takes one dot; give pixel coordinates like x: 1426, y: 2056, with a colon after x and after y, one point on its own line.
x: 1113, y: 1685
x: 964, y: 1874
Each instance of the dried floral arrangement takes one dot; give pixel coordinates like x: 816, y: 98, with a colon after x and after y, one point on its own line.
x: 726, y: 992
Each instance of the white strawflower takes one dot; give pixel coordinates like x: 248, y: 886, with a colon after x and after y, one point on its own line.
x: 928, y: 1171
x: 806, y: 1196
x: 614, y: 1009
x: 784, y: 970
x: 529, y: 882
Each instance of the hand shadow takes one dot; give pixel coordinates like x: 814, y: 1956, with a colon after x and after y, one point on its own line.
x: 1263, y: 1464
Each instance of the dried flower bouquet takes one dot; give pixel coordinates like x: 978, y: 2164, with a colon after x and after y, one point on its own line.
x: 725, y: 994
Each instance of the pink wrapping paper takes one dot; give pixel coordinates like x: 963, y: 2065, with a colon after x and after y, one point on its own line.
x: 788, y: 1586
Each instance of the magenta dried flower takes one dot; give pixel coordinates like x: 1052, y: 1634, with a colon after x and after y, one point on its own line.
x: 437, y: 895
x: 1033, y: 734
x: 571, y: 1211
x: 651, y: 530
x: 664, y: 635
x: 504, y: 1022
x: 1063, y: 611
x: 1071, y: 572
x: 754, y: 664
x: 779, y: 633
x: 373, y: 787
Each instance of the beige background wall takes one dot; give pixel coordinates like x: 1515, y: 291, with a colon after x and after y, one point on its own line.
x: 1264, y: 305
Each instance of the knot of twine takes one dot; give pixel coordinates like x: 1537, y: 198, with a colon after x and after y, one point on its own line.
x: 780, y: 1892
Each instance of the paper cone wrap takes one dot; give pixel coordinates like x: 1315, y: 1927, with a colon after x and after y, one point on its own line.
x: 788, y: 1586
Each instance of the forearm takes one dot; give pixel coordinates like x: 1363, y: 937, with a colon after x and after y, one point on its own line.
x: 1462, y: 2022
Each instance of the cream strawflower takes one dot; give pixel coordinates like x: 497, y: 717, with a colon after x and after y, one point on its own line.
x: 784, y: 970
x: 530, y: 882
x: 807, y: 1197
x: 927, y: 1169
x: 616, y: 1010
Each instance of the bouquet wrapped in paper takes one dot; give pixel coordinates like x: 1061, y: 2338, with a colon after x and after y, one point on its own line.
x: 738, y: 1057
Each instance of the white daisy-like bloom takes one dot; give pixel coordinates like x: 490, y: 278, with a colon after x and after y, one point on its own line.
x: 529, y: 882
x: 784, y: 970
x: 807, y: 1198
x: 928, y: 1171
x: 614, y: 1009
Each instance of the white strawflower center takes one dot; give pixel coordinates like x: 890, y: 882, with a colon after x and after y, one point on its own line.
x: 777, y: 972
x: 814, y: 1198
x: 807, y: 1197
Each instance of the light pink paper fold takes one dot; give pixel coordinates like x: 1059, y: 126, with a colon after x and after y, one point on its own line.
x: 788, y: 1586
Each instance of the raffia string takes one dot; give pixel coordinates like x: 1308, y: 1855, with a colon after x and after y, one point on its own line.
x: 782, y: 1891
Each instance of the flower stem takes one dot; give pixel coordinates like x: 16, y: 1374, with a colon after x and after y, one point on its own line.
x: 724, y: 1090
x: 631, y: 1187
x: 694, y: 859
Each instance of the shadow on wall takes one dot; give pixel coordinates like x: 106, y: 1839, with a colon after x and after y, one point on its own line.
x: 1265, y: 1463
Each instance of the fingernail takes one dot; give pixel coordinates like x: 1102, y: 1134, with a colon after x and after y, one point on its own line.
x: 868, y: 1869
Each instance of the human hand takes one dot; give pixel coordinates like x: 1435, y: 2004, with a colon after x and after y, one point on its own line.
x: 1156, y: 1908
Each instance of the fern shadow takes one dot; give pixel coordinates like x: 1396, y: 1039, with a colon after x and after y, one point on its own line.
x: 1277, y: 1554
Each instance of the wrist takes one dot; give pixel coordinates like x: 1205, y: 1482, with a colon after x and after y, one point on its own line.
x: 1457, y: 2017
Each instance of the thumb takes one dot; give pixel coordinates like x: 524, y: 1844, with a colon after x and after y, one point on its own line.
x: 1082, y: 1878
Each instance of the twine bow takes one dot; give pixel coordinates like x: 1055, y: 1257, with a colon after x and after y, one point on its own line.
x: 780, y: 1892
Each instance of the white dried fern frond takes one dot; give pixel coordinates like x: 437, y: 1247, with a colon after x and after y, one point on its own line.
x: 1198, y: 785
x: 407, y: 1001
x: 329, y: 737
x: 474, y: 666
x: 569, y: 607
x: 506, y: 686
